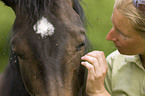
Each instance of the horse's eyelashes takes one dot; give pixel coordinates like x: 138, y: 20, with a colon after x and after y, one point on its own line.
x: 21, y: 56
x: 78, y: 48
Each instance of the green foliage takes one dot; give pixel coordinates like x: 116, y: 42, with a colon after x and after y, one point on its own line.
x: 98, y: 13
x: 6, y: 20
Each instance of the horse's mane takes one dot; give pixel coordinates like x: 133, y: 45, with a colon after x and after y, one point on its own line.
x: 78, y: 8
x: 35, y: 7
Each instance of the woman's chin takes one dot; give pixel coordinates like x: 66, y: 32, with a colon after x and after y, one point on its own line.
x: 125, y: 52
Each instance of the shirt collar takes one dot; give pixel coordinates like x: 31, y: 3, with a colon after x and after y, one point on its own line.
x: 135, y: 59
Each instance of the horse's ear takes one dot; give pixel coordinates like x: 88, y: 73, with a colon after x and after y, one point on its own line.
x: 10, y: 3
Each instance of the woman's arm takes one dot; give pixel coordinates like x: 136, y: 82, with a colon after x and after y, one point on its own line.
x: 97, y: 67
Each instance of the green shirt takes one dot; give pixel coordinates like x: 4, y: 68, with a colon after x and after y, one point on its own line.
x: 125, y: 75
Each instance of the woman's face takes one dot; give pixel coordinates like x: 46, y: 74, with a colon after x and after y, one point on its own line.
x: 126, y: 39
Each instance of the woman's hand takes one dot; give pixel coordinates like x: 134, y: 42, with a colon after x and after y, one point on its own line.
x: 96, y: 64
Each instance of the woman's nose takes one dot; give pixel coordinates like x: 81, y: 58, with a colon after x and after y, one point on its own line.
x: 111, y: 35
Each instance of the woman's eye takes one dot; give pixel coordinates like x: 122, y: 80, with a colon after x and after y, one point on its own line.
x: 121, y: 32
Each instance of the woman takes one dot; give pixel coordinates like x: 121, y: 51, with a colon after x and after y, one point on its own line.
x: 125, y: 68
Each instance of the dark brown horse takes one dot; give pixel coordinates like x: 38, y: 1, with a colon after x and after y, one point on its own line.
x: 47, y: 43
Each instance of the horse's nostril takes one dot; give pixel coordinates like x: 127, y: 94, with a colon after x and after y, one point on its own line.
x: 78, y: 48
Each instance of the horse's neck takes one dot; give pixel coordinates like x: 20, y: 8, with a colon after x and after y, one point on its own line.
x: 11, y: 84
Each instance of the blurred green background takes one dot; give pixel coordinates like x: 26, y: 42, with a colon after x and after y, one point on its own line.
x: 98, y: 13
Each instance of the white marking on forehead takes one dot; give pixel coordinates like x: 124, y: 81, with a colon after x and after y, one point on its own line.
x: 44, y: 27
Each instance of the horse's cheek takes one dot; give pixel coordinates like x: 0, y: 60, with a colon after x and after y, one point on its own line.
x: 31, y: 78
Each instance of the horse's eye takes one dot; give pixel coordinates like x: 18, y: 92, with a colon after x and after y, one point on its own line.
x: 78, y: 48
x: 19, y: 55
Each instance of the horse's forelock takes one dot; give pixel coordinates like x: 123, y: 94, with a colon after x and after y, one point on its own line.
x: 35, y: 7
x: 32, y: 6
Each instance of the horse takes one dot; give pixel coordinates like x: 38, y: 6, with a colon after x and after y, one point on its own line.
x: 47, y: 42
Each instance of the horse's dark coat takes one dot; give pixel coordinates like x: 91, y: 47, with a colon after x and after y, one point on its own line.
x: 28, y: 12
x: 34, y: 7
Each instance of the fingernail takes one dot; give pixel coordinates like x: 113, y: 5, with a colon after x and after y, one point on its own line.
x: 82, y: 57
x: 83, y: 63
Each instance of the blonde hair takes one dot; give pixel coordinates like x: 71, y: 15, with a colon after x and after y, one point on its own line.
x: 136, y: 17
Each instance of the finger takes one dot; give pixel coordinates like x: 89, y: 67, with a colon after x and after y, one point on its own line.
x: 91, y: 72
x: 101, y: 58
x: 103, y: 64
x: 92, y: 60
x: 95, y: 53
x: 88, y: 65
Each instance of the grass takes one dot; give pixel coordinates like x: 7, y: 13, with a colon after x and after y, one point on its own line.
x: 6, y: 20
x: 3, y: 63
x: 98, y: 13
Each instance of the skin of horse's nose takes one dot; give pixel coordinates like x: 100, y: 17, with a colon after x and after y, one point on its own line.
x: 111, y: 36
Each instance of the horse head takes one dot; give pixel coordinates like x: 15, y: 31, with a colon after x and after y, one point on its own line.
x: 48, y: 41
